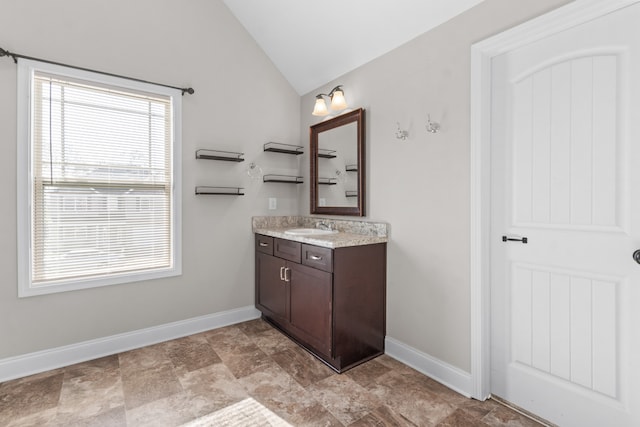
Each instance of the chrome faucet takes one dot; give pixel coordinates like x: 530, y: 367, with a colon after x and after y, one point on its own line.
x: 324, y: 225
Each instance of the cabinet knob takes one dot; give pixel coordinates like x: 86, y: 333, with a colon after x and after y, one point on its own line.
x: 315, y: 257
x: 263, y: 244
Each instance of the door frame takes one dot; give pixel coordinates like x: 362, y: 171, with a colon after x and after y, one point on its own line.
x: 482, y: 53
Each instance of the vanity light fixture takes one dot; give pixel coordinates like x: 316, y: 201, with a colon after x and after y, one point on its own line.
x: 337, y: 101
x: 432, y: 127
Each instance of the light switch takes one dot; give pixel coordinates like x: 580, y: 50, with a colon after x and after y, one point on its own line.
x: 273, y: 203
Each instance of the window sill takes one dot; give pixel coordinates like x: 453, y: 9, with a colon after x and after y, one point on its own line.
x: 26, y: 289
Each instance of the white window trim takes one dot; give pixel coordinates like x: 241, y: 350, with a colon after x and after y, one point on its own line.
x: 26, y: 69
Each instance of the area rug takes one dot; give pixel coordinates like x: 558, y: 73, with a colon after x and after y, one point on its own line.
x: 247, y: 412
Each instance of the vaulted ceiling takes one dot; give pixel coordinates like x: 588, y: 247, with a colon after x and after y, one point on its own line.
x: 315, y: 41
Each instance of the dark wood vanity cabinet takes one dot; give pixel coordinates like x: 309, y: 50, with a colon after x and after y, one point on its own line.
x: 330, y: 301
x: 273, y: 297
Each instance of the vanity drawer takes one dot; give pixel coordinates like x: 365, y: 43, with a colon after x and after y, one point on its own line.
x: 287, y: 249
x: 264, y: 244
x: 317, y: 257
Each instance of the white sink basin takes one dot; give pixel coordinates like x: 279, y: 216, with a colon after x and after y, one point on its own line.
x: 309, y: 231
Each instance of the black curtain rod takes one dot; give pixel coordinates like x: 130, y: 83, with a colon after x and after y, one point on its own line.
x: 15, y: 57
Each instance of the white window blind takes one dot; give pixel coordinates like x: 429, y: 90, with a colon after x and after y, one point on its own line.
x: 102, y: 200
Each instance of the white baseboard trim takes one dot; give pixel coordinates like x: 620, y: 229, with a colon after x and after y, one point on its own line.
x: 45, y: 360
x: 450, y: 376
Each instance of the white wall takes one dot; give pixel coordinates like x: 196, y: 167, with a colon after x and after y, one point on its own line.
x: 421, y: 186
x: 241, y: 101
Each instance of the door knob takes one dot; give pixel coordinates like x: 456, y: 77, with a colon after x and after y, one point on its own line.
x: 636, y: 256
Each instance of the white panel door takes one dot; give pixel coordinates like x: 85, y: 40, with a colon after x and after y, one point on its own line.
x: 565, y: 321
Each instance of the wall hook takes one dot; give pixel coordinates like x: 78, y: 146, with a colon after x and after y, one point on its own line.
x: 401, y: 133
x: 432, y: 127
x: 341, y: 176
x: 254, y: 171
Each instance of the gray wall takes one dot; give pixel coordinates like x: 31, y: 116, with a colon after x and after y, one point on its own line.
x: 241, y: 101
x: 420, y: 186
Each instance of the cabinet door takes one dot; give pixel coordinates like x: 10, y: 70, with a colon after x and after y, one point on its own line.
x: 271, y: 292
x: 310, y: 306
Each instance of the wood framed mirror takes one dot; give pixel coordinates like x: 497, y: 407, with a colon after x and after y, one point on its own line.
x: 337, y: 159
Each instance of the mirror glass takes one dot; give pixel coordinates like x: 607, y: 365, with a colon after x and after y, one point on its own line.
x: 337, y: 165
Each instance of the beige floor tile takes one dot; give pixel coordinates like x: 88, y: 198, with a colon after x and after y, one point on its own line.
x: 143, y: 358
x: 460, y: 418
x: 146, y: 385
x: 172, y: 410
x: 415, y: 402
x: 281, y: 393
x: 175, y: 382
x: 228, y: 340
x: 96, y: 366
x: 115, y: 417
x: 246, y: 360
x: 344, y: 398
x: 272, y: 341
x: 367, y: 373
x: 254, y: 327
x: 504, y: 417
x: 90, y: 395
x: 46, y: 418
x: 26, y: 396
x: 302, y: 366
x: 216, y: 384
x: 191, y: 353
x: 382, y: 416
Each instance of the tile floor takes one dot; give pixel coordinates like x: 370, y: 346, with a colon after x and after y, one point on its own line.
x: 172, y: 383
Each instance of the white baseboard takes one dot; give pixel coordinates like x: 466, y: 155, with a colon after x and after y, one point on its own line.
x: 450, y: 376
x: 45, y: 360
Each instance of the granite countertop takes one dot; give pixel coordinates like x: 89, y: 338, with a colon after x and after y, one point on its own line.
x: 350, y: 233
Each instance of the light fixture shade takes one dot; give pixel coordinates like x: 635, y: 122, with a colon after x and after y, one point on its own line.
x: 320, y: 109
x: 337, y: 100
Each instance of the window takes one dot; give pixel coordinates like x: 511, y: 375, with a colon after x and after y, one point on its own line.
x: 98, y: 179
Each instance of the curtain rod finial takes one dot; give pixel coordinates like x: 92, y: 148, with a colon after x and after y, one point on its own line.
x: 188, y: 90
x: 4, y: 52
